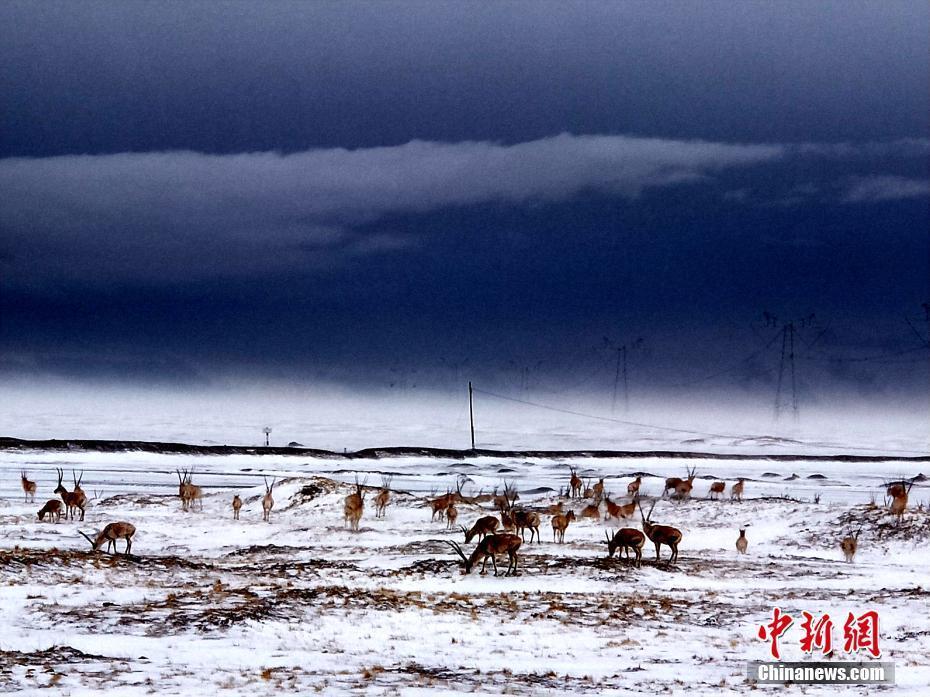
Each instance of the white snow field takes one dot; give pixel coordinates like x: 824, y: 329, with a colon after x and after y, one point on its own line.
x: 209, y: 605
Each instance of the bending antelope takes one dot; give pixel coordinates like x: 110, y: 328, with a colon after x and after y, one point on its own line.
x: 268, y: 500
x: 716, y: 490
x: 482, y: 527
x: 527, y: 519
x: 384, y: 496
x: 559, y: 525
x: 849, y: 545
x: 52, y: 508
x: 29, y: 488
x: 616, y: 510
x: 661, y: 535
x: 742, y: 544
x: 684, y: 487
x: 626, y: 539
x: 574, y: 484
x: 736, y: 491
x: 72, y: 499
x: 354, y: 504
x: 633, y: 487
x: 491, y: 546
x: 236, y: 506
x: 111, y: 533
x: 899, y: 502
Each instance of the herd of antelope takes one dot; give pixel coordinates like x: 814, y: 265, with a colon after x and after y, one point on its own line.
x: 499, y: 534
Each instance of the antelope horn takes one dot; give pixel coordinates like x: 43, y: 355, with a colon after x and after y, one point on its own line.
x: 457, y: 549
x: 607, y: 535
x: 86, y: 538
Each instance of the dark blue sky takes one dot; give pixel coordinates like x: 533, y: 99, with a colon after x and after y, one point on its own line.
x: 358, y: 191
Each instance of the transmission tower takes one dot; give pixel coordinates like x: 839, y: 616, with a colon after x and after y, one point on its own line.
x: 787, y: 362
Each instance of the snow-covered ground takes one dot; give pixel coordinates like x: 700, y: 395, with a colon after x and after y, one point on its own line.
x: 211, y: 604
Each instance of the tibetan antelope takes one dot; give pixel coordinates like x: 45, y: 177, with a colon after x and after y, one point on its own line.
x: 452, y: 514
x: 899, y: 502
x: 354, y: 504
x: 716, y: 490
x: 29, y: 488
x: 52, y: 508
x: 507, y: 500
x: 598, y: 490
x: 591, y: 511
x: 616, y: 510
x: 236, y: 506
x: 574, y: 484
x: 482, y: 527
x: 626, y: 539
x: 507, y: 521
x: 556, y: 508
x: 268, y: 499
x: 633, y: 487
x: 527, y: 519
x: 188, y: 492
x: 110, y: 534
x: 491, y: 546
x: 736, y: 490
x: 849, y: 545
x: 72, y: 499
x: 384, y: 496
x: 742, y: 544
x: 895, y: 490
x: 559, y: 524
x: 661, y: 535
x: 684, y: 487
x: 440, y: 505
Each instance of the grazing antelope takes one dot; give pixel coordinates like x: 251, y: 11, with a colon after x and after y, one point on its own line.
x: 384, y: 496
x: 559, y: 524
x: 236, y: 506
x: 71, y: 499
x: 267, y: 499
x: 849, y: 545
x: 111, y: 533
x: 633, y: 487
x: 716, y: 490
x: 661, y: 535
x: 684, y: 487
x: 736, y: 491
x: 742, y: 544
x: 482, y: 527
x: 29, y: 488
x: 527, y: 519
x: 626, y: 539
x: 491, y: 546
x: 616, y: 510
x: 591, y: 511
x: 574, y: 484
x: 452, y: 514
x: 52, y: 508
x: 598, y: 490
x: 899, y: 502
x: 354, y: 504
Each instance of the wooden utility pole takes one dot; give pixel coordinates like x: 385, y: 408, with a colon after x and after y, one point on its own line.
x: 471, y: 412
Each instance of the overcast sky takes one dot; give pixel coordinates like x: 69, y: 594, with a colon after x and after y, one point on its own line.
x: 412, y: 193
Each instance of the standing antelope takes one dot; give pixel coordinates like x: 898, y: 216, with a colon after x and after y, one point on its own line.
x: 188, y: 491
x: 626, y: 539
x: 598, y: 490
x: 849, y: 545
x: 111, y: 533
x: 491, y: 546
x: 661, y: 535
x: 899, y: 502
x: 52, y: 508
x: 440, y: 505
x: 384, y: 496
x: 527, y: 519
x: 482, y: 527
x: 895, y: 490
x: 236, y: 506
x: 29, y: 488
x: 452, y: 514
x: 268, y: 500
x: 716, y: 490
x: 736, y: 491
x: 742, y: 544
x: 559, y: 524
x: 633, y: 487
x: 616, y: 510
x: 354, y: 504
x: 71, y: 499
x: 671, y: 484
x: 507, y: 521
x: 684, y: 487
x: 574, y: 484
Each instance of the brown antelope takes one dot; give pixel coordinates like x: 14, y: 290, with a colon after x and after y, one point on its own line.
x: 268, y: 500
x: 559, y: 524
x: 507, y: 521
x: 661, y: 535
x: 555, y: 509
x: 384, y: 496
x: 452, y: 514
x: 598, y: 490
x: 574, y: 484
x: 895, y: 490
x: 236, y: 506
x: 527, y: 519
x: 633, y: 487
x: 111, y: 533
x: 626, y: 539
x: 736, y: 491
x: 683, y: 490
x: 616, y: 510
x: 591, y: 511
x: 742, y: 544
x: 716, y: 490
x: 29, y: 488
x: 354, y: 504
x: 671, y: 484
x: 188, y: 491
x: 440, y: 505
x: 491, y: 546
x: 507, y: 500
x: 899, y: 502
x: 72, y: 499
x: 52, y: 508
x: 849, y: 545
x: 588, y: 490
x: 483, y: 526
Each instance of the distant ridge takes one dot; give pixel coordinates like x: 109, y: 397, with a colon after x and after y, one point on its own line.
x: 109, y: 446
